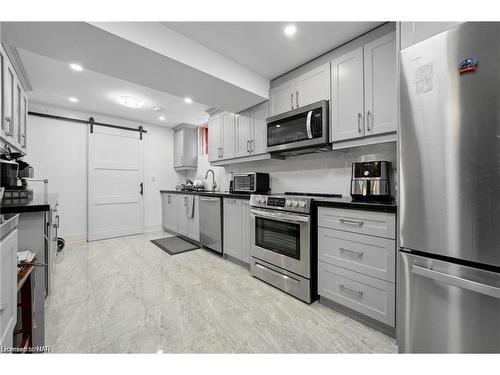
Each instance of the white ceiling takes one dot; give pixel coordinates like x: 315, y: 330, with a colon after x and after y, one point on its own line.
x: 263, y: 47
x: 53, y: 82
x: 147, y: 54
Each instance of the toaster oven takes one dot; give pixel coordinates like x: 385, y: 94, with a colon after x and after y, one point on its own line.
x: 252, y: 182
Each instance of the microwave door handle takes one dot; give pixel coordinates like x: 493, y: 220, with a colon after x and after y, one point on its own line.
x: 308, y: 124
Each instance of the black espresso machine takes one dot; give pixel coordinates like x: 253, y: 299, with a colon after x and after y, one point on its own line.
x: 13, y: 175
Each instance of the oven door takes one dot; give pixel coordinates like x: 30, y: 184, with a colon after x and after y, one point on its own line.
x: 301, y: 128
x: 282, y: 239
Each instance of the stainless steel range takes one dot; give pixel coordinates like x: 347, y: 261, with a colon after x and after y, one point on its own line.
x: 282, y: 251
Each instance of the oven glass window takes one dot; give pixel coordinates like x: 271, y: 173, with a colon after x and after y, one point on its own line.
x: 278, y: 236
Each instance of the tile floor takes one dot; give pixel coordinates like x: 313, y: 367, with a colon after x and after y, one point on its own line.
x: 125, y: 295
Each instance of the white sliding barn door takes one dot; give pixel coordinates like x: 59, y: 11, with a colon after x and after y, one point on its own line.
x: 115, y: 175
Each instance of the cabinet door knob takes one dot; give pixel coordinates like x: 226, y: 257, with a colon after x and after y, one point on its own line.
x: 359, y: 122
x: 368, y: 114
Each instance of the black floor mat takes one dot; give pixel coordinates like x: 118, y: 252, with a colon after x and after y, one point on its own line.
x: 174, y: 245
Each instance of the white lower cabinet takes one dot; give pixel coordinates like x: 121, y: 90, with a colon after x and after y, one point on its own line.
x: 357, y: 261
x: 193, y: 223
x: 237, y: 228
x: 370, y: 296
x: 8, y: 287
x: 174, y: 215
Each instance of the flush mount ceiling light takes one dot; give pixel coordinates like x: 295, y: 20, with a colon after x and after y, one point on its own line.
x: 290, y: 30
x: 130, y: 101
x: 76, y: 67
x: 188, y: 100
x: 73, y: 100
x: 157, y: 109
x: 161, y: 118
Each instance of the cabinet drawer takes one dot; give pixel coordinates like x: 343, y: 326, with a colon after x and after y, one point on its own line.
x: 370, y: 296
x: 381, y: 224
x: 369, y: 255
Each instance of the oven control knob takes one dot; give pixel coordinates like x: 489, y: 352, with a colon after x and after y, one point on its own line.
x: 295, y: 203
x: 288, y: 203
x: 302, y: 204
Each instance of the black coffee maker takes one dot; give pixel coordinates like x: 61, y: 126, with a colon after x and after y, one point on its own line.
x: 13, y: 172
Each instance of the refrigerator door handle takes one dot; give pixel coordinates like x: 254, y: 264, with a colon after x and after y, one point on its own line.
x: 457, y: 281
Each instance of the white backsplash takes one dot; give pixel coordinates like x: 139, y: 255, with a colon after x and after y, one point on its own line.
x: 326, y: 172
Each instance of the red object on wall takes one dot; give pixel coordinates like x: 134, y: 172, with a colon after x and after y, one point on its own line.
x: 205, y: 140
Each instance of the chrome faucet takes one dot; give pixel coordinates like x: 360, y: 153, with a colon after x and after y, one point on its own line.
x: 214, y: 184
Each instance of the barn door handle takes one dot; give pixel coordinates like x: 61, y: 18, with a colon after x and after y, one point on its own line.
x: 142, y: 188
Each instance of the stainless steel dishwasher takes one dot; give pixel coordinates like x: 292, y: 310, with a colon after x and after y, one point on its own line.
x: 211, y: 223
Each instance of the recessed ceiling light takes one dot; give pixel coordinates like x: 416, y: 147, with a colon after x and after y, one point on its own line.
x: 290, y: 30
x: 73, y: 100
x: 76, y: 67
x: 188, y: 100
x: 157, y: 109
x: 161, y: 118
x: 130, y: 101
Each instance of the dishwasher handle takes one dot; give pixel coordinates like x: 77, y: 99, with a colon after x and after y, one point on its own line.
x: 459, y: 282
x: 205, y: 199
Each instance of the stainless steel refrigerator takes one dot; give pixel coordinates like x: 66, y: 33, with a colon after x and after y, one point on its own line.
x: 449, y: 260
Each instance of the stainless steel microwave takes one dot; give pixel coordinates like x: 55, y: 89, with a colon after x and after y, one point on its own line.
x: 252, y: 182
x: 303, y: 128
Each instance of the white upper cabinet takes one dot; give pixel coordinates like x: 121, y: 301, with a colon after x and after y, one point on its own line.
x: 258, y: 141
x: 214, y: 137
x: 347, y: 96
x: 24, y: 120
x: 228, y: 135
x: 380, y: 85
x: 185, y: 147
x: 364, y: 91
x: 2, y: 81
x: 281, y: 98
x: 17, y: 112
x: 313, y: 86
x: 243, y: 133
x: 9, y: 82
x: 13, y: 106
x: 307, y: 88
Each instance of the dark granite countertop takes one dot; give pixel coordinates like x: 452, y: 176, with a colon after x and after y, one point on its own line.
x: 347, y: 202
x: 40, y: 202
x: 221, y: 194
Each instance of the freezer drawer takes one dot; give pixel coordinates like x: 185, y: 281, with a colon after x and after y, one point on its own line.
x: 369, y: 255
x: 447, y: 308
x: 373, y: 297
x: 381, y: 224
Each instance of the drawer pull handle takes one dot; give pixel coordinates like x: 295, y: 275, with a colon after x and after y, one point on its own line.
x: 358, y: 253
x: 358, y: 293
x: 351, y: 222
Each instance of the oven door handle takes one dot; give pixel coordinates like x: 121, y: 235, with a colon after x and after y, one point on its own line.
x: 308, y: 125
x: 281, y: 216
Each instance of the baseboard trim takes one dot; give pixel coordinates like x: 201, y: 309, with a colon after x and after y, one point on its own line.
x: 75, y: 238
x: 153, y: 228
x: 375, y: 324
